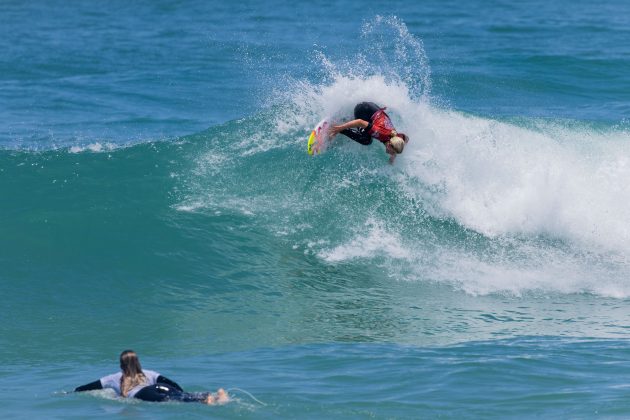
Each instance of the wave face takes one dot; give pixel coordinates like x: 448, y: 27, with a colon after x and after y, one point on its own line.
x: 197, y: 230
x: 497, y: 208
x: 501, y: 208
x: 487, y: 205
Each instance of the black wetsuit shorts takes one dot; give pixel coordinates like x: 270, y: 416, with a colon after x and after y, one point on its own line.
x: 164, y: 392
x: 363, y: 111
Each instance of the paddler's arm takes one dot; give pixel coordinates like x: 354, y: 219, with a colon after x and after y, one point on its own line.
x: 350, y: 124
x: 89, y: 387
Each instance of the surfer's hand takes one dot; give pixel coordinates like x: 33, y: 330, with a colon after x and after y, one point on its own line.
x: 334, y: 130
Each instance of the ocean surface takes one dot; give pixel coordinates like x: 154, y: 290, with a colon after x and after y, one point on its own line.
x: 156, y: 194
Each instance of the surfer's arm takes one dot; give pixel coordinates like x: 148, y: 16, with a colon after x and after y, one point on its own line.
x: 89, y: 387
x: 359, y: 123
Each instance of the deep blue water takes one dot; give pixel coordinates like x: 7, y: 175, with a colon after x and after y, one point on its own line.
x: 156, y: 194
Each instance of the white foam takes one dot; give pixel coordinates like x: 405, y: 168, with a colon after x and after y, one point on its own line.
x: 501, y: 179
x: 494, y: 177
x: 552, y: 199
x: 93, y: 147
x: 373, y: 241
x: 541, y: 269
x: 510, y: 182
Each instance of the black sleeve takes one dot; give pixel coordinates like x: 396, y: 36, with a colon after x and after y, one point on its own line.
x: 164, y: 380
x: 89, y: 387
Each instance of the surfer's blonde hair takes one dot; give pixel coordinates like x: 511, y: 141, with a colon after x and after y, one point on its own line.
x: 397, y: 143
x: 132, y: 374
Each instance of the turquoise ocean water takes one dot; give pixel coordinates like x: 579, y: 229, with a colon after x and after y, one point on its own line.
x: 156, y: 194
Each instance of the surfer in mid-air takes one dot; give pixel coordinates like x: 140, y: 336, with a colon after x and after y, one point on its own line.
x: 371, y: 121
x: 134, y: 382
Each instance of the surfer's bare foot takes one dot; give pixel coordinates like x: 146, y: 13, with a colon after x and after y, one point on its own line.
x: 222, y: 397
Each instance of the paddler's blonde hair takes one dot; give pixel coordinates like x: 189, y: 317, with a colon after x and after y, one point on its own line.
x: 132, y: 374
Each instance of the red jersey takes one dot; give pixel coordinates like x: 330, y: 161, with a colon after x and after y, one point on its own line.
x: 382, y: 127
